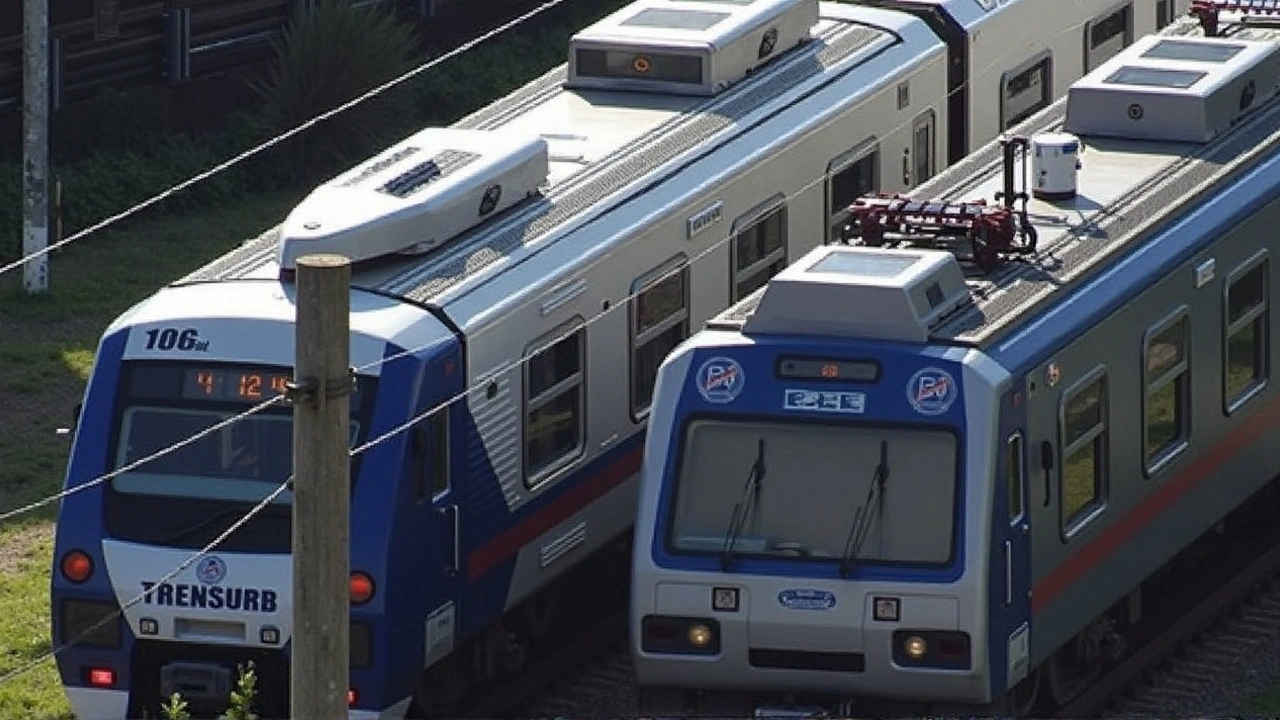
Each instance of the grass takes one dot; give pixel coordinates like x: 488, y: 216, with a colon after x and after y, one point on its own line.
x: 46, y: 350
x: 1265, y: 705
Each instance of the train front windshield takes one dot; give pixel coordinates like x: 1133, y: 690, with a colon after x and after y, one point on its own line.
x: 196, y: 487
x: 244, y: 461
x: 808, y: 490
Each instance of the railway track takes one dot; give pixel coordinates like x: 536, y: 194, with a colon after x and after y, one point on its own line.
x: 1183, y: 669
x: 1191, y: 662
x: 1186, y: 668
x: 574, y: 680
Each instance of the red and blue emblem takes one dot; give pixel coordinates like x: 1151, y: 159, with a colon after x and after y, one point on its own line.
x: 720, y: 380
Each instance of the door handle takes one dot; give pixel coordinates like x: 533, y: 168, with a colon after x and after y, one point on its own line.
x: 1008, y: 573
x: 449, y: 514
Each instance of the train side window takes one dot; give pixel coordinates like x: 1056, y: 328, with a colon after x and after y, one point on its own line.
x: 922, y: 144
x: 850, y: 175
x: 1245, y: 342
x: 759, y: 248
x: 1084, y: 457
x: 1164, y: 13
x: 659, y: 322
x: 1166, y: 399
x: 1025, y: 90
x: 1107, y: 35
x: 554, y: 402
x: 1014, y: 463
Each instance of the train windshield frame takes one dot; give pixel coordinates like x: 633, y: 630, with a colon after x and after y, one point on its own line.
x: 816, y: 477
x: 182, y: 498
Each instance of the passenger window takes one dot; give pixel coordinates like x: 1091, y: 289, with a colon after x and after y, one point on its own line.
x: 1245, y: 342
x: 759, y: 251
x: 1013, y: 473
x: 1166, y: 402
x: 1107, y: 35
x: 1084, y: 456
x: 553, y: 402
x: 1025, y: 91
x: 659, y: 322
x: 849, y: 177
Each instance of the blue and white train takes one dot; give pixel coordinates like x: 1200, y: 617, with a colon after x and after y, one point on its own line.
x: 891, y: 483
x: 534, y: 262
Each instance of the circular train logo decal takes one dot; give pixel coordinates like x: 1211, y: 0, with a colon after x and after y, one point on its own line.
x: 720, y: 380
x: 211, y: 570
x: 931, y: 391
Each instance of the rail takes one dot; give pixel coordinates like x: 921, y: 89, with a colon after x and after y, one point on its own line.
x: 594, y: 639
x: 1095, y: 701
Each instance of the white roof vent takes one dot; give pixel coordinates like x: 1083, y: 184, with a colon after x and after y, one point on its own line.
x: 415, y: 196
x: 686, y: 47
x: 864, y: 291
x: 1178, y: 89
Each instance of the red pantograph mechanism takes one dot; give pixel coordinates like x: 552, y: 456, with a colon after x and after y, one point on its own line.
x: 992, y: 232
x: 1207, y: 11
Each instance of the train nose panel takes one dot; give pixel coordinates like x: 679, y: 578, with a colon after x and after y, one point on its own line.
x: 806, y: 628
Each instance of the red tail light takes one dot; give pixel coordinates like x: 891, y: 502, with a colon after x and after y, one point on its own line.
x: 102, y: 677
x: 76, y: 566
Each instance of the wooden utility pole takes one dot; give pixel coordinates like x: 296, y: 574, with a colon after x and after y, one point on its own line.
x: 321, y: 495
x: 35, y: 130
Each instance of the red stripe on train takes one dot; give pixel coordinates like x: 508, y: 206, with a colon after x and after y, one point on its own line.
x: 1166, y: 494
x: 487, y: 556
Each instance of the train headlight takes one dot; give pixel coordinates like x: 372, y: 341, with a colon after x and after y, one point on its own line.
x: 943, y: 649
x: 679, y: 635
x: 700, y: 636
x: 915, y: 647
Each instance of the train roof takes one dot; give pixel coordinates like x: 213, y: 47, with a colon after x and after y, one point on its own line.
x: 591, y: 142
x: 1162, y: 125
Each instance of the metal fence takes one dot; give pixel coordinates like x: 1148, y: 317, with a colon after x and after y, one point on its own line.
x: 97, y: 43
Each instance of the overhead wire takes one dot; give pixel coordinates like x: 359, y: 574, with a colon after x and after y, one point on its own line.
x: 226, y: 422
x: 276, y: 140
x: 396, y: 430
x: 115, y: 615
x: 498, y: 370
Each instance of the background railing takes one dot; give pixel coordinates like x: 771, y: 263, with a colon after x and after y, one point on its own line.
x: 121, y: 43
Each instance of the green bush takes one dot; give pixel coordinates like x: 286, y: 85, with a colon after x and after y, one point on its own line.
x: 114, y: 179
x: 326, y: 57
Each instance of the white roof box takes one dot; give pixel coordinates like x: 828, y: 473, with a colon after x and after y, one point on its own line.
x: 887, y: 294
x: 1185, y: 89
x: 416, y: 195
x: 686, y: 47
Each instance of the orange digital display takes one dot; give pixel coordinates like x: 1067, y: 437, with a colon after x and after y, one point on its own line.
x: 235, y: 385
x: 217, y: 382
x: 800, y: 368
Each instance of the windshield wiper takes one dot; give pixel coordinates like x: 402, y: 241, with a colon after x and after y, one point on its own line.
x: 862, y: 516
x: 750, y: 495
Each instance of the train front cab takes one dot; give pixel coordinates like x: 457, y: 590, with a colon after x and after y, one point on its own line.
x: 118, y: 538
x: 865, y: 567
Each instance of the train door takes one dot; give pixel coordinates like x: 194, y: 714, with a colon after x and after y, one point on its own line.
x: 918, y: 158
x: 444, y: 547
x: 1011, y: 558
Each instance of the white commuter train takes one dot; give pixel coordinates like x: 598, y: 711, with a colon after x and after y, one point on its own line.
x: 538, y: 259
